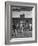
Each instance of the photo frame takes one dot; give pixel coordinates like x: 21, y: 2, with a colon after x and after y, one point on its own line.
x: 20, y: 22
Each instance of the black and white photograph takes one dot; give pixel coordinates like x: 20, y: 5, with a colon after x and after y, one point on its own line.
x: 21, y: 22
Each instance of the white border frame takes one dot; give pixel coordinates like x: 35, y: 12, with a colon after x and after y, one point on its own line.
x: 8, y: 18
